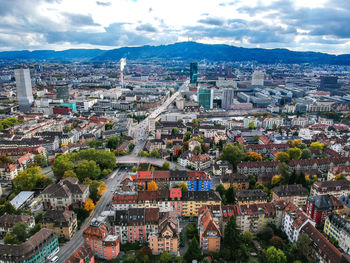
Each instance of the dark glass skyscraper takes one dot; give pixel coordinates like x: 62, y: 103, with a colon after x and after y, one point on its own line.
x: 193, y: 72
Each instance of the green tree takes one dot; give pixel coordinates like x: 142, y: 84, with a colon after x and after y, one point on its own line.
x: 61, y: 164
x: 197, y: 150
x: 183, y: 187
x: 274, y: 255
x: 221, y: 190
x: 277, y: 242
x: 303, y: 244
x: 193, y: 252
x: 191, y: 231
x: 31, y: 178
x: 251, y: 125
x: 294, y: 153
x: 70, y: 173
x: 113, y: 142
x: 93, y: 189
x: 187, y: 136
x: 165, y: 257
x: 282, y: 169
x: 20, y: 229
x: 231, y: 195
x: 282, y: 157
x: 165, y: 166
x: 11, y: 239
x: 316, y: 146
x: 40, y: 160
x: 155, y: 154
x: 34, y: 229
x: 232, y: 237
x: 87, y: 169
x: 247, y: 237
x: 233, y: 153
x: 175, y: 131
x: 306, y: 154
x: 265, y: 234
x: 95, y: 144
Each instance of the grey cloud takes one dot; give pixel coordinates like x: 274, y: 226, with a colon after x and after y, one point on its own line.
x: 213, y: 21
x: 80, y: 20
x: 147, y: 28
x: 103, y: 3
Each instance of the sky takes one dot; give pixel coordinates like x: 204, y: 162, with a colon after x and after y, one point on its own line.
x: 302, y: 25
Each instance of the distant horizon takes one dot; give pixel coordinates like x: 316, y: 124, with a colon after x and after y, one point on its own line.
x: 136, y: 46
x: 298, y: 25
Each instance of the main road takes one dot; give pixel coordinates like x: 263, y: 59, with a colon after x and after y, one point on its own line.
x: 77, y: 240
x: 140, y: 131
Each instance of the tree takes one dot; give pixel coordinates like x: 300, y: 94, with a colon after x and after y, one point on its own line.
x: 61, y: 164
x: 277, y: 242
x: 197, y: 150
x: 11, y: 239
x: 233, y: 153
x: 340, y: 177
x: 31, y: 178
x: 113, y: 142
x: 70, y: 173
x: 155, y: 154
x: 40, y: 160
x: 165, y: 166
x: 187, y: 136
x: 20, y: 229
x: 282, y: 157
x: 191, y: 231
x: 282, y: 169
x: 275, y: 180
x: 183, y: 187
x: 231, y: 195
x: 94, y: 189
x: 175, y: 131
x: 294, y: 153
x: 34, y: 229
x: 253, y: 156
x: 95, y: 144
x: 89, y: 205
x: 102, y: 188
x: 247, y: 237
x: 298, y: 143
x: 303, y: 244
x: 152, y: 186
x: 251, y: 125
x: 274, y: 255
x: 306, y: 154
x: 165, y: 257
x: 316, y: 146
x: 193, y: 252
x: 265, y: 234
x: 87, y: 169
x: 221, y: 190
x: 232, y: 238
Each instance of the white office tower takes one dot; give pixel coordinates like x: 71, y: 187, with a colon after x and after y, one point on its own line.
x: 258, y: 78
x: 24, y: 89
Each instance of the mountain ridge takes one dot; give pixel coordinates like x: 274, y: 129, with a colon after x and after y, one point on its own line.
x: 183, y: 51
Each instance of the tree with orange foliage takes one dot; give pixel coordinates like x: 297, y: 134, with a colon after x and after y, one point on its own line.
x: 102, y: 188
x: 276, y: 180
x: 89, y: 205
x: 152, y: 186
x: 253, y: 156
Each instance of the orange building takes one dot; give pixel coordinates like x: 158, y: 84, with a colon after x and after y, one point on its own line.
x: 209, y: 231
x: 102, y: 245
x: 167, y: 238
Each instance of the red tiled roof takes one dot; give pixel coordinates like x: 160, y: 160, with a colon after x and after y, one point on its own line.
x: 144, y: 175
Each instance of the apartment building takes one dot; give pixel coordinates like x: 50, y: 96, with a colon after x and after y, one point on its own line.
x: 338, y: 227
x: 64, y: 223
x: 335, y: 188
x: 296, y: 194
x: 320, y: 206
x: 209, y: 230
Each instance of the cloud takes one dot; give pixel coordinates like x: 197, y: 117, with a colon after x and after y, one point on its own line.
x: 103, y: 3
x: 213, y: 21
x: 146, y: 28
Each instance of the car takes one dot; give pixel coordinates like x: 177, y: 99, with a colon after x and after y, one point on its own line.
x: 54, y: 259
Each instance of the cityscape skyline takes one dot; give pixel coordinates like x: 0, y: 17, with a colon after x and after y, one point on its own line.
x: 60, y: 24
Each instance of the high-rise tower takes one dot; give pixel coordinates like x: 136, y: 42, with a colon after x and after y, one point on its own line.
x: 193, y: 72
x: 24, y: 89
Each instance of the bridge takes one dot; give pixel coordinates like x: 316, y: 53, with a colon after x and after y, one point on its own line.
x: 129, y: 160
